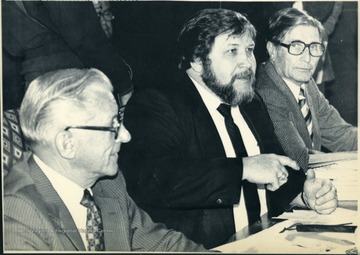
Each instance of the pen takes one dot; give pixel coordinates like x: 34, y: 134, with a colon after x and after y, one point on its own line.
x: 325, y: 228
x: 321, y: 228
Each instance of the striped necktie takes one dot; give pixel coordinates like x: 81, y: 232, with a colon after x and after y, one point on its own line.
x: 305, y: 110
x: 251, y: 195
x: 94, y: 226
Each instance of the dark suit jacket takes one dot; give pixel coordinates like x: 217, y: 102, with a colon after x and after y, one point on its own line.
x: 176, y: 167
x: 56, y: 35
x: 329, y: 129
x: 35, y: 218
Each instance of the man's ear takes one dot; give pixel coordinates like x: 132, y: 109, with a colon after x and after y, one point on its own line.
x: 271, y: 49
x: 64, y: 142
x: 197, y: 65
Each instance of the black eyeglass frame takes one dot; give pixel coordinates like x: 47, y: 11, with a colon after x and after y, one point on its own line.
x: 103, y: 128
x: 305, y: 46
x: 107, y: 15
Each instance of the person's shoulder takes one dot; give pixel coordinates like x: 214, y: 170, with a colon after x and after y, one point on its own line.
x: 263, y: 77
x: 24, y: 204
x: 20, y: 192
x: 18, y: 177
x: 313, y: 87
x: 111, y: 186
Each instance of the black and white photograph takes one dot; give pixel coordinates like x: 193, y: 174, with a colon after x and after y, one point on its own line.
x: 180, y: 126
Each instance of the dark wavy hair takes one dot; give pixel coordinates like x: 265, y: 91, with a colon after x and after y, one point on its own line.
x: 285, y: 19
x: 198, y: 34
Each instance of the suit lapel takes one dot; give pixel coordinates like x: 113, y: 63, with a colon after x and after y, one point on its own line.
x: 296, y: 113
x: 58, y: 213
x: 112, y: 224
x: 110, y: 197
x: 205, y: 128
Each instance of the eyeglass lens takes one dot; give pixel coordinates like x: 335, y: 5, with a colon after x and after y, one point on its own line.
x: 107, y: 15
x: 297, y: 48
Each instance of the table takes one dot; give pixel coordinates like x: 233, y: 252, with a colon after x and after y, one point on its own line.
x: 264, y: 236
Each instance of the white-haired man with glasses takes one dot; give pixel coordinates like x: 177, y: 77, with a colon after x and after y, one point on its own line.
x: 304, y: 120
x: 67, y: 194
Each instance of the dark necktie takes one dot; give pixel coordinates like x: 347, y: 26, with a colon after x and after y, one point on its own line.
x: 251, y: 196
x: 94, y: 226
x: 305, y: 110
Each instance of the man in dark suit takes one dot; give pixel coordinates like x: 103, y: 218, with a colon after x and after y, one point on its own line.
x: 304, y: 120
x: 67, y: 195
x: 51, y: 35
x: 186, y: 166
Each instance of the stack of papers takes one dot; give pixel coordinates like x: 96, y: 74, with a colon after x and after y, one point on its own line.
x: 342, y: 169
x: 344, y: 176
x: 339, y: 216
x: 291, y: 241
x: 323, y: 159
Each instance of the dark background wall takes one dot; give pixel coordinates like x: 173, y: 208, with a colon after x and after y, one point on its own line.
x: 146, y: 32
x: 343, y: 46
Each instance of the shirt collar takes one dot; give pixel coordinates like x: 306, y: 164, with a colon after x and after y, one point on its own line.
x: 68, y: 191
x: 211, y: 100
x: 294, y: 88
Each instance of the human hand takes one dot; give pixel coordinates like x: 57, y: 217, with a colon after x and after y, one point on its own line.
x: 319, y: 194
x: 267, y: 169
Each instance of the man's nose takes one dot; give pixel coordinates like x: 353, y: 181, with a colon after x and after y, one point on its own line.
x: 124, y: 135
x: 244, y: 60
x: 305, y: 56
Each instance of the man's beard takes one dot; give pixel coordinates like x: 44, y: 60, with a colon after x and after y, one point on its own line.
x: 227, y: 92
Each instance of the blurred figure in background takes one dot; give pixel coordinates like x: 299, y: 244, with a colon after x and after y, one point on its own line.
x: 51, y: 35
x: 105, y: 16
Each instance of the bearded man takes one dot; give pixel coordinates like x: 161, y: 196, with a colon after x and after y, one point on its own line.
x: 204, y: 158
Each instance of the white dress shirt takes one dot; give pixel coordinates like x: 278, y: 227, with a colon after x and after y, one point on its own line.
x: 71, y: 194
x: 212, y: 102
x: 295, y: 89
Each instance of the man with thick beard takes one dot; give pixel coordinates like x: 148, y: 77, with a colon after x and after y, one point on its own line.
x: 188, y: 165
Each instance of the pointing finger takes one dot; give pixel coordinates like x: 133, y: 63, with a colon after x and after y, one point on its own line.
x: 286, y: 161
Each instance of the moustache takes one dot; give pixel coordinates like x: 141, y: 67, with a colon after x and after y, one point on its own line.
x: 247, y: 74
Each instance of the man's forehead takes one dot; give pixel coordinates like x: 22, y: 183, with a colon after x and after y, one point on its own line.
x: 230, y: 38
x: 303, y: 32
x: 105, y: 112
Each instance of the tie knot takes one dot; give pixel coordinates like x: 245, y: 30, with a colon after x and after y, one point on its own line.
x: 302, y: 92
x: 225, y: 110
x: 87, y: 200
x: 302, y: 89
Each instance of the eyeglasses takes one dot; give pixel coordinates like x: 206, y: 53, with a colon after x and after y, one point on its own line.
x: 107, y: 15
x: 115, y: 128
x: 297, y: 48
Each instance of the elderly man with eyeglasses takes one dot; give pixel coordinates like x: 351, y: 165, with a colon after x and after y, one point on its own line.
x: 304, y: 120
x: 68, y: 194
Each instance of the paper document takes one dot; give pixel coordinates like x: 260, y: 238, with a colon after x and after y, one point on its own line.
x: 339, y: 216
x: 323, y: 159
x: 274, y: 240
x: 344, y: 175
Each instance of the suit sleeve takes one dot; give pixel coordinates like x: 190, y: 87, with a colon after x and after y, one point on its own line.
x: 80, y: 27
x: 277, y: 201
x: 161, y: 166
x: 283, y: 121
x: 150, y: 236
x: 133, y: 229
x: 23, y: 229
x: 336, y: 133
